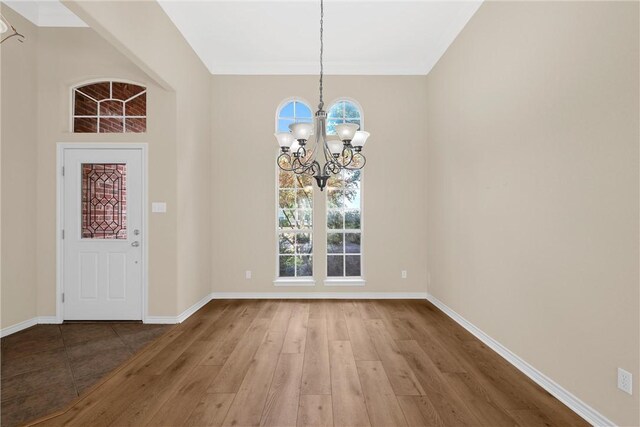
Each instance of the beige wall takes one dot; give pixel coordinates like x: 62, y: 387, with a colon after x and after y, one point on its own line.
x: 243, y: 193
x: 159, y: 49
x: 18, y: 151
x: 533, y: 189
x: 66, y: 57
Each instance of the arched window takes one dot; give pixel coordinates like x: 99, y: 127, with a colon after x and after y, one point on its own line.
x: 344, y: 204
x: 292, y: 111
x: 110, y: 107
x: 294, y: 205
x: 343, y: 111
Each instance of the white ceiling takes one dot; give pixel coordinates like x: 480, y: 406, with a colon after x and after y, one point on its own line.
x: 46, y: 13
x: 282, y: 36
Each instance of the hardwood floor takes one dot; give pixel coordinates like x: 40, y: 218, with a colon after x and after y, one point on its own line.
x: 343, y: 363
x: 46, y: 367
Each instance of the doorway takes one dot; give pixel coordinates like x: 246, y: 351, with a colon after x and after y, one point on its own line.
x: 102, y: 239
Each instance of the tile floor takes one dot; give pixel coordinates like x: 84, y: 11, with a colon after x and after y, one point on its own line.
x: 47, y: 366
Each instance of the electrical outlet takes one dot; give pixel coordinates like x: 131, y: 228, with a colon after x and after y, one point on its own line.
x: 625, y: 381
x: 247, y: 274
x: 403, y: 274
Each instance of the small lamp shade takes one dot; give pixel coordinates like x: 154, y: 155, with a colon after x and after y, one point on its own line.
x: 335, y: 146
x: 295, y: 146
x: 301, y: 131
x: 346, y: 131
x: 285, y: 139
x: 360, y: 138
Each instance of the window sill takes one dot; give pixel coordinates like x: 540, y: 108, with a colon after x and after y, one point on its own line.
x: 345, y: 281
x: 294, y: 282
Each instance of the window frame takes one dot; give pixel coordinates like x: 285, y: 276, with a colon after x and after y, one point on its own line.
x: 346, y: 280
x: 110, y: 80
x: 291, y: 280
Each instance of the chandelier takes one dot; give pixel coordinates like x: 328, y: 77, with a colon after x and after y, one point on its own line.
x: 5, y: 26
x: 300, y: 147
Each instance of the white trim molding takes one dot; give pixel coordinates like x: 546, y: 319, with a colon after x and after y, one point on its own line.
x: 27, y: 324
x: 171, y: 320
x: 19, y: 327
x: 344, y: 281
x: 574, y: 403
x: 319, y: 295
x: 294, y: 281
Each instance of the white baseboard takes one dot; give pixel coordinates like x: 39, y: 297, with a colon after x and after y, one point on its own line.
x: 575, y: 404
x: 319, y: 295
x: 18, y: 327
x: 48, y: 320
x: 170, y: 320
x: 27, y: 324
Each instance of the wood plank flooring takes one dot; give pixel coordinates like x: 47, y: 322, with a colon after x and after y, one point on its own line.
x: 317, y: 363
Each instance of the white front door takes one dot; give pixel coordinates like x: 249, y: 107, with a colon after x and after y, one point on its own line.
x: 102, y: 237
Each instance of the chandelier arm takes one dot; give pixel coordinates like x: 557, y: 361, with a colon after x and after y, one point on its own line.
x: 360, y: 164
x: 287, y: 157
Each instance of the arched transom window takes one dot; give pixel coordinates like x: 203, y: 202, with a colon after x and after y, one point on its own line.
x: 110, y: 107
x: 343, y: 111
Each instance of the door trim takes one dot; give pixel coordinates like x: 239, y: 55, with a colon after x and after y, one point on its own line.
x: 61, y: 147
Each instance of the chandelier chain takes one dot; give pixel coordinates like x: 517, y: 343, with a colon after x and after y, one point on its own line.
x: 321, y: 105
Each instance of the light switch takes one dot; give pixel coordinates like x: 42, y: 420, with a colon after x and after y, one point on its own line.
x: 158, y: 207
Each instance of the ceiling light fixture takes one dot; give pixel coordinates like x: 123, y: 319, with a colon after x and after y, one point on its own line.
x: 5, y: 26
x: 342, y: 151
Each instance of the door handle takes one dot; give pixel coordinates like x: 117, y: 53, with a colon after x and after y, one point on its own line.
x: 135, y: 244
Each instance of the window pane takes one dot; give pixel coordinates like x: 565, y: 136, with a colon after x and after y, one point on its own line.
x: 111, y: 108
x: 335, y: 265
x: 110, y: 125
x: 287, y: 266
x: 286, y: 179
x: 305, y: 218
x: 137, y: 106
x: 84, y: 106
x: 352, y: 198
x: 351, y: 111
x: 335, y: 220
x: 335, y: 198
x: 286, y: 218
x: 287, y: 111
x: 352, y: 220
x: 303, y: 243
x: 85, y: 125
x: 97, y: 91
x: 331, y: 126
x: 125, y: 91
x: 304, y: 181
x: 287, y: 241
x: 352, y: 243
x: 302, y: 111
x: 137, y: 125
x: 356, y: 121
x: 334, y: 243
x: 337, y: 111
x: 283, y: 125
x: 351, y: 178
x: 104, y: 201
x: 352, y: 265
x: 287, y: 199
x: 304, y: 266
x: 305, y: 198
x: 334, y: 182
